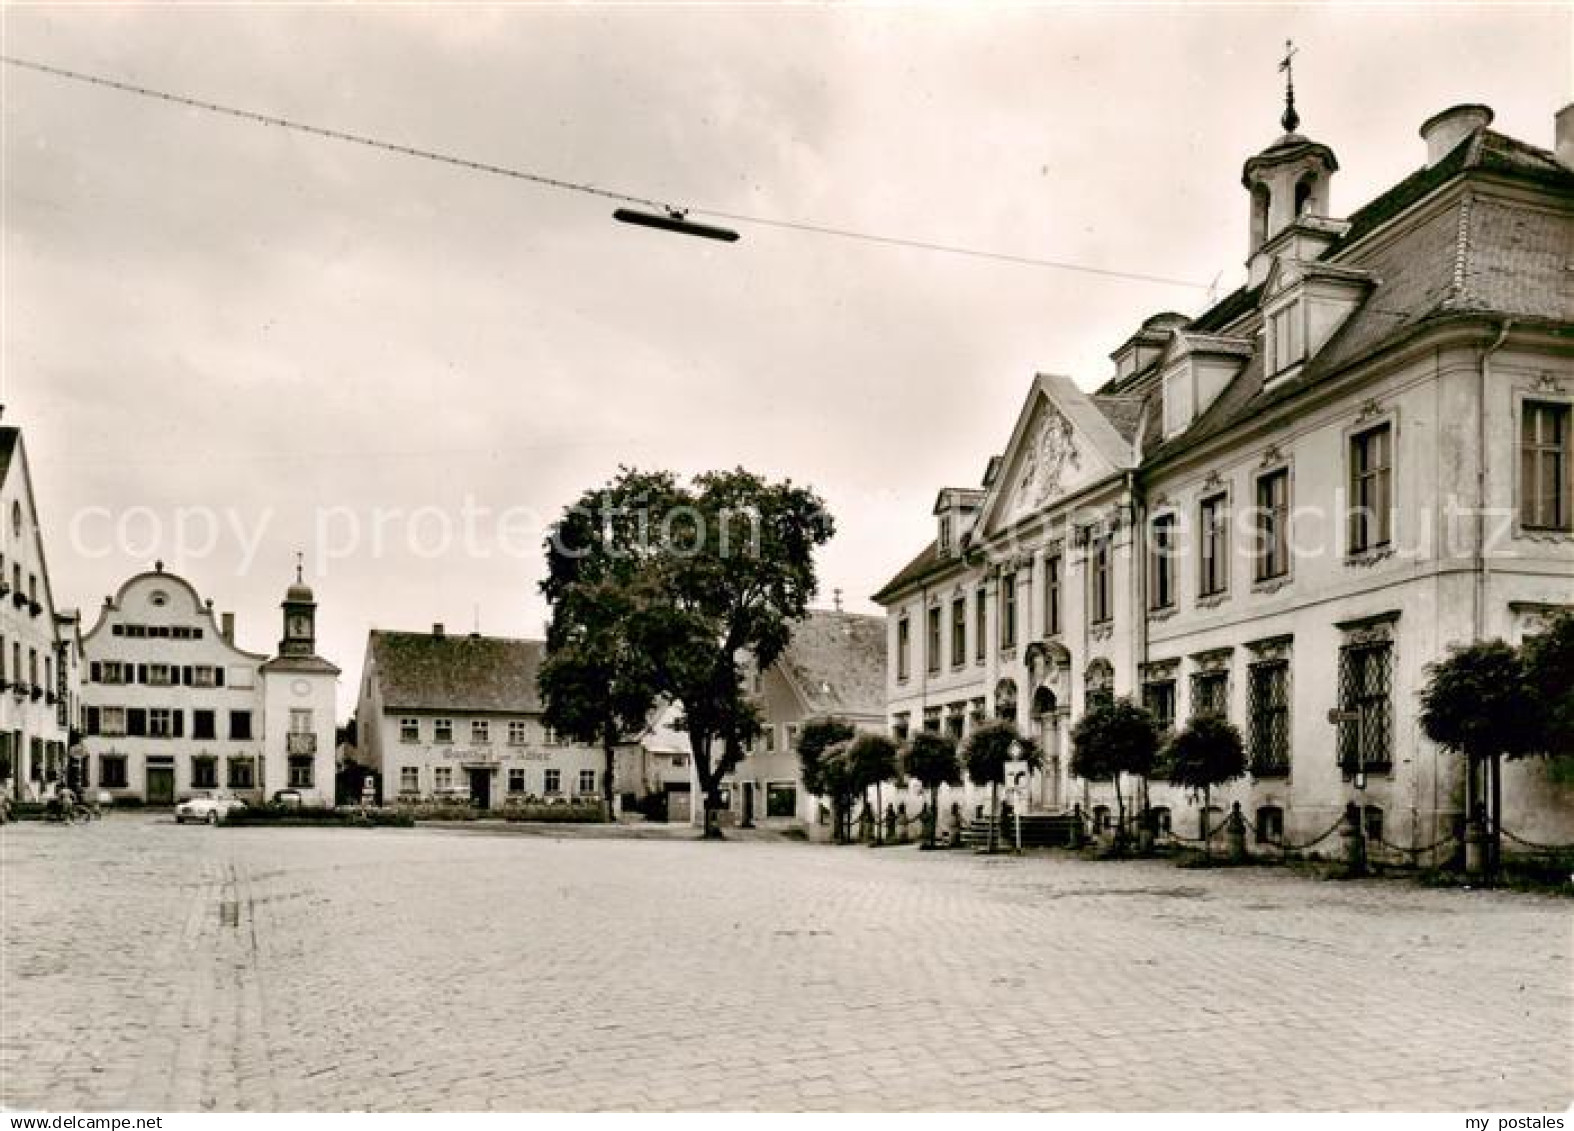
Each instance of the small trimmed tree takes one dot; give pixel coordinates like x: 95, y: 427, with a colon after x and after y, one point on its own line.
x: 874, y: 760
x: 989, y: 748
x: 835, y: 773
x: 931, y: 759
x: 1207, y: 752
x: 1549, y: 670
x: 1480, y: 703
x: 815, y: 737
x: 1114, y: 738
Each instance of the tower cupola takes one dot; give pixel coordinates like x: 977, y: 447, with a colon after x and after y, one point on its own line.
x: 1291, y: 177
x: 300, y: 618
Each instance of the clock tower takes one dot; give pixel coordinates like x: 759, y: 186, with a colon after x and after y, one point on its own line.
x: 300, y: 618
x: 299, y: 691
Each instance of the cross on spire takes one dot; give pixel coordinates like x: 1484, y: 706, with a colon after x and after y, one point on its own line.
x: 298, y: 558
x: 1290, y: 120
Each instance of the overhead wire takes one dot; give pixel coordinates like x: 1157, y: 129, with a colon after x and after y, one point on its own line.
x: 565, y: 185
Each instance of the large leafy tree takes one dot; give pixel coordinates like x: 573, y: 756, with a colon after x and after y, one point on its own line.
x: 989, y: 749
x: 1115, y: 738
x: 1207, y: 752
x: 595, y: 688
x: 874, y: 760
x: 931, y: 759
x: 1480, y: 702
x: 815, y: 737
x: 703, y: 580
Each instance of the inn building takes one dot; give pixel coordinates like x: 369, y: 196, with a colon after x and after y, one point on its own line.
x: 447, y: 717
x: 173, y: 706
x: 1283, y: 508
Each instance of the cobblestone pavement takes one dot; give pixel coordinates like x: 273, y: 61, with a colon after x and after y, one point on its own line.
x: 156, y: 967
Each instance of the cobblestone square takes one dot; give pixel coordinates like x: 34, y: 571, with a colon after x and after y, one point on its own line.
x: 151, y: 966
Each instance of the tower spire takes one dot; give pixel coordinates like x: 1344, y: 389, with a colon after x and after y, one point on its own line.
x: 1290, y: 120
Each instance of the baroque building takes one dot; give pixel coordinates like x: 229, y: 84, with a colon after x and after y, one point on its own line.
x: 173, y: 706
x: 1282, y: 509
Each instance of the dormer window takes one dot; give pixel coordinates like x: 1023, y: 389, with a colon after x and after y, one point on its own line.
x: 1286, y: 341
x: 1178, y: 401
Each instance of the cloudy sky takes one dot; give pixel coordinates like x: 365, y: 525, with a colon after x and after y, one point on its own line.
x: 228, y: 342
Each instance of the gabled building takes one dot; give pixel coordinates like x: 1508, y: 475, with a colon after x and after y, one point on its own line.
x: 1282, y: 509
x: 834, y: 665
x: 173, y: 706
x: 39, y: 657
x: 442, y: 717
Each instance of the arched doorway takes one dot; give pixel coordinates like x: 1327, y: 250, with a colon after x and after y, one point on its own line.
x: 1046, y: 727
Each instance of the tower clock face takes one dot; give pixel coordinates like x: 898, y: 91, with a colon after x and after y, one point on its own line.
x: 300, y: 625
x: 301, y: 687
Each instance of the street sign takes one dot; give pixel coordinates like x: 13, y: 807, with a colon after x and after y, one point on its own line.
x: 1335, y: 715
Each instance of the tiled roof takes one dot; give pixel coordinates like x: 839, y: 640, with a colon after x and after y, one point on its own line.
x: 1124, y: 413
x: 419, y: 670
x: 929, y: 562
x: 1226, y: 310
x: 1485, y: 149
x: 837, y: 661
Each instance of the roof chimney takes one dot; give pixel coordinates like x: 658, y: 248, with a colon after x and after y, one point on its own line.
x: 227, y: 627
x: 1443, y: 132
x: 437, y: 629
x: 1563, y: 146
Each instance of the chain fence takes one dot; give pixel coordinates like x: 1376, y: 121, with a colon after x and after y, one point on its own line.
x: 1535, y: 846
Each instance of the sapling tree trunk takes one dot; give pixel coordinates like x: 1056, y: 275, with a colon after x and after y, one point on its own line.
x: 994, y: 814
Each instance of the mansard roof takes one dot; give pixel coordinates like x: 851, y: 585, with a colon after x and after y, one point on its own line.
x: 1481, y: 255
x: 1478, y: 254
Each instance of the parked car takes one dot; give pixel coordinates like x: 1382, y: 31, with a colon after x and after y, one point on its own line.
x: 287, y: 798
x: 207, y: 807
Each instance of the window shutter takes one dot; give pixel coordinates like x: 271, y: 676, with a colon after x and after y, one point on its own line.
x: 177, y: 719
x: 93, y: 672
x: 92, y: 718
x: 137, y: 722
x: 142, y: 673
x: 218, y: 676
x: 185, y: 675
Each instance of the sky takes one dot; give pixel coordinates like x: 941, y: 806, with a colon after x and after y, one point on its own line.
x: 227, y: 343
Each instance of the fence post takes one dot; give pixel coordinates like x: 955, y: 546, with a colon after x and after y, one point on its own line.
x: 1235, y: 834
x: 1352, y: 842
x: 1475, y: 845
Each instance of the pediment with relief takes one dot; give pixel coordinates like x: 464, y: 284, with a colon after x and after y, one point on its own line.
x: 1061, y: 444
x: 1051, y: 462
